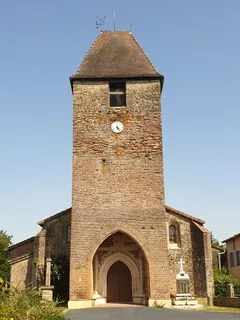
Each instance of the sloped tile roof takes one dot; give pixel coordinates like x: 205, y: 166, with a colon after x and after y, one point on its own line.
x: 13, y: 246
x: 198, y: 222
x: 183, y: 214
x: 232, y: 238
x: 201, y: 227
x: 55, y: 216
x: 115, y: 55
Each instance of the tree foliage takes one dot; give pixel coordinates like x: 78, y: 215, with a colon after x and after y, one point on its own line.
x: 222, y: 276
x: 5, y: 241
x: 216, y: 243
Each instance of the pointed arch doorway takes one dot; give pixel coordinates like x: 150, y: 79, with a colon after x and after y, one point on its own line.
x: 119, y: 283
x: 120, y: 262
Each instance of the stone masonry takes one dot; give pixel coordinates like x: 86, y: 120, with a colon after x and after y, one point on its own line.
x: 119, y: 179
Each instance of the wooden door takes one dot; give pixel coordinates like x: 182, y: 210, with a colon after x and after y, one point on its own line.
x: 119, y: 283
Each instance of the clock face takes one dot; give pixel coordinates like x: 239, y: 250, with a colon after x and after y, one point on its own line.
x: 117, y: 126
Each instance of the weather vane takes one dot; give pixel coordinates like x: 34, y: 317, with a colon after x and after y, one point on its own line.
x: 100, y: 22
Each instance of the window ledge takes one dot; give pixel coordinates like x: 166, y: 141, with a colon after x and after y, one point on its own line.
x: 118, y: 107
x: 173, y: 246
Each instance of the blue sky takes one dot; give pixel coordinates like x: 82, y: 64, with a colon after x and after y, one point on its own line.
x: 194, y: 44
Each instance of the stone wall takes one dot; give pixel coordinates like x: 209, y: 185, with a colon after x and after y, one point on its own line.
x: 183, y: 249
x: 202, y: 261
x: 28, y: 258
x: 226, y: 302
x: 56, y: 235
x: 215, y: 256
x: 199, y: 262
x: 117, y: 180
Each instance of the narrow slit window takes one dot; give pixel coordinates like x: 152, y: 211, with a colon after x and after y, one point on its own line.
x: 68, y: 233
x: 117, y: 93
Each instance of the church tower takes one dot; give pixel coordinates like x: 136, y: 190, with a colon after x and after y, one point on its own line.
x: 119, y: 226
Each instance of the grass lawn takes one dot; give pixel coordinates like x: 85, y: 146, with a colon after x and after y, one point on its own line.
x: 219, y: 309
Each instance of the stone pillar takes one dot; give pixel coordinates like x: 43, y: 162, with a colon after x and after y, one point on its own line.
x: 39, y: 259
x: 47, y: 293
x: 48, y: 272
x: 158, y: 266
x: 230, y: 289
x: 81, y: 278
x: 208, y: 266
x: 139, y: 296
x: 159, y: 282
x: 47, y: 290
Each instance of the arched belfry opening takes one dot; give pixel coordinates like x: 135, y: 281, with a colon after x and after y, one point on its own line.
x: 120, y: 270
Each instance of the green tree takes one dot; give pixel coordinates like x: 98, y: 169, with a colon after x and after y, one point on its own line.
x: 5, y: 241
x: 216, y: 243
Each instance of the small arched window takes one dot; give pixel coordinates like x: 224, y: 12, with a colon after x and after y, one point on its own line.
x: 172, y: 234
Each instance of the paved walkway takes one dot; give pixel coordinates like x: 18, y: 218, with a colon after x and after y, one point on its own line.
x: 143, y: 313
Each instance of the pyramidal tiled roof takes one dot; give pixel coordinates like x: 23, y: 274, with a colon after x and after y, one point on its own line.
x: 115, y: 54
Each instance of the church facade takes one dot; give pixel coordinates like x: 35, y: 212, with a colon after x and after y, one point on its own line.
x: 123, y: 242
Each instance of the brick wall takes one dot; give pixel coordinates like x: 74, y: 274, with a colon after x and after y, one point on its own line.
x: 21, y: 272
x: 21, y: 249
x: 117, y: 180
x: 56, y: 235
x: 21, y: 263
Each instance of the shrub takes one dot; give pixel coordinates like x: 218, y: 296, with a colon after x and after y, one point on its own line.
x: 27, y: 304
x: 157, y: 304
x: 221, y: 280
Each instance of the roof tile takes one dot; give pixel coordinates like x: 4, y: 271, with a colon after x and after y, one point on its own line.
x: 114, y: 55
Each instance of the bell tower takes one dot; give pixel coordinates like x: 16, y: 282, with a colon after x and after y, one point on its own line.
x: 117, y: 174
